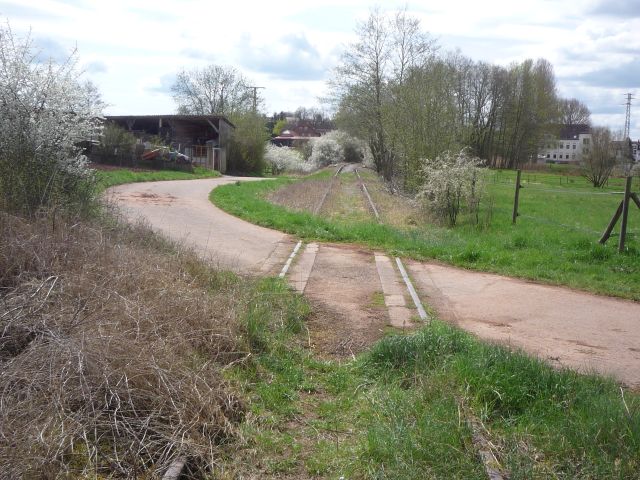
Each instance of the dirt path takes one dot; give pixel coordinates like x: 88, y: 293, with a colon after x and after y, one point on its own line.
x: 582, y: 331
x: 345, y: 288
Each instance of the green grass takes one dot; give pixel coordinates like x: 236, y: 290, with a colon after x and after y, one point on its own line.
x: 555, y: 240
x: 110, y: 178
x: 401, y: 409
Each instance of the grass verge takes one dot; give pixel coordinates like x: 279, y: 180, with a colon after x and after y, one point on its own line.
x: 110, y: 178
x: 552, y: 252
x: 401, y: 411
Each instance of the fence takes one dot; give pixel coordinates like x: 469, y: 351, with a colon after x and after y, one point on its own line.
x: 127, y: 157
x: 576, y: 193
x: 198, y: 155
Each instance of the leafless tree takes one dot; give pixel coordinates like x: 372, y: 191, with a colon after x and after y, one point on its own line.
x: 214, y: 89
x: 362, y: 79
x: 369, y: 75
x: 572, y: 111
x: 410, y: 45
x: 600, y: 160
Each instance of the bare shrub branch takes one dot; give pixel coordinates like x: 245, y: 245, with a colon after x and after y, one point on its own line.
x: 112, y: 345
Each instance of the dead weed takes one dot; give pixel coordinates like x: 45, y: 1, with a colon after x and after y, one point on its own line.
x: 112, y: 346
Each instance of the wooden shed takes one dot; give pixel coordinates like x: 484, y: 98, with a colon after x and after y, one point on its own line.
x: 204, y: 138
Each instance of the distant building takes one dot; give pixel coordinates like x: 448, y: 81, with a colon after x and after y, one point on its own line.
x: 572, y: 142
x: 635, y: 150
x: 624, y: 151
x: 296, y: 132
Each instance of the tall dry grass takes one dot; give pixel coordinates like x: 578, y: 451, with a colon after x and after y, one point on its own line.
x: 301, y: 196
x: 112, y: 347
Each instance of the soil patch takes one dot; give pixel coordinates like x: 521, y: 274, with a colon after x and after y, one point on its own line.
x: 148, y: 197
x: 341, y: 288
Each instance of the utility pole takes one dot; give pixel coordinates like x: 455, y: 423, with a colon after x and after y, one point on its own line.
x: 627, y: 121
x: 255, y: 97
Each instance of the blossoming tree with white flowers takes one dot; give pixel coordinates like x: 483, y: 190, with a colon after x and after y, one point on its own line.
x: 452, y: 182
x: 47, y: 115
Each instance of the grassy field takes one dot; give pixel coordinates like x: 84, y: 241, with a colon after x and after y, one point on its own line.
x: 110, y: 178
x: 404, y: 410
x: 554, y: 241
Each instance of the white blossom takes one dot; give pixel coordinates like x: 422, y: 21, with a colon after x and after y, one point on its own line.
x: 452, y: 182
x: 326, y: 151
x: 286, y: 159
x: 334, y: 147
x: 45, y: 113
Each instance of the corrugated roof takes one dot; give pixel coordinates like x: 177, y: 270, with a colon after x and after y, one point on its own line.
x: 171, y: 116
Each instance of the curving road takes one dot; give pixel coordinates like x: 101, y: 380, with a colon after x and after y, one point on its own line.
x: 568, y: 328
x: 181, y: 210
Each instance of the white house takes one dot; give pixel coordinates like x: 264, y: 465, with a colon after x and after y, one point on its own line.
x: 635, y: 150
x: 569, y: 146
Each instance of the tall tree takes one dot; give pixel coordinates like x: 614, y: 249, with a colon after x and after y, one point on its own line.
x: 214, y: 89
x: 369, y: 78
x: 528, y: 111
x: 409, y: 102
x: 410, y: 45
x: 362, y: 79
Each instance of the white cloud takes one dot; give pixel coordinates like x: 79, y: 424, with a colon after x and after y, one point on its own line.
x: 132, y: 49
x: 289, y: 57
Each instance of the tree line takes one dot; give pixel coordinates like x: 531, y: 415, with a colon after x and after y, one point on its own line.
x: 410, y: 101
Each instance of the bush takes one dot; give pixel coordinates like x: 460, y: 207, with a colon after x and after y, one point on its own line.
x: 46, y: 114
x: 335, y: 147
x: 326, y: 151
x: 116, y: 145
x: 114, y: 346
x: 286, y: 159
x: 247, y: 145
x: 451, y: 182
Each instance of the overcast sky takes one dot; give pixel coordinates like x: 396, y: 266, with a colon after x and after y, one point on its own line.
x: 133, y: 49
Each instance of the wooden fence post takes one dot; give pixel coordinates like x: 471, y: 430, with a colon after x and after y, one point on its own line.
x: 625, y: 214
x: 517, y: 197
x: 612, y: 223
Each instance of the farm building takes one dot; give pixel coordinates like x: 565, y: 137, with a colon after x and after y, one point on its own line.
x: 203, y: 138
